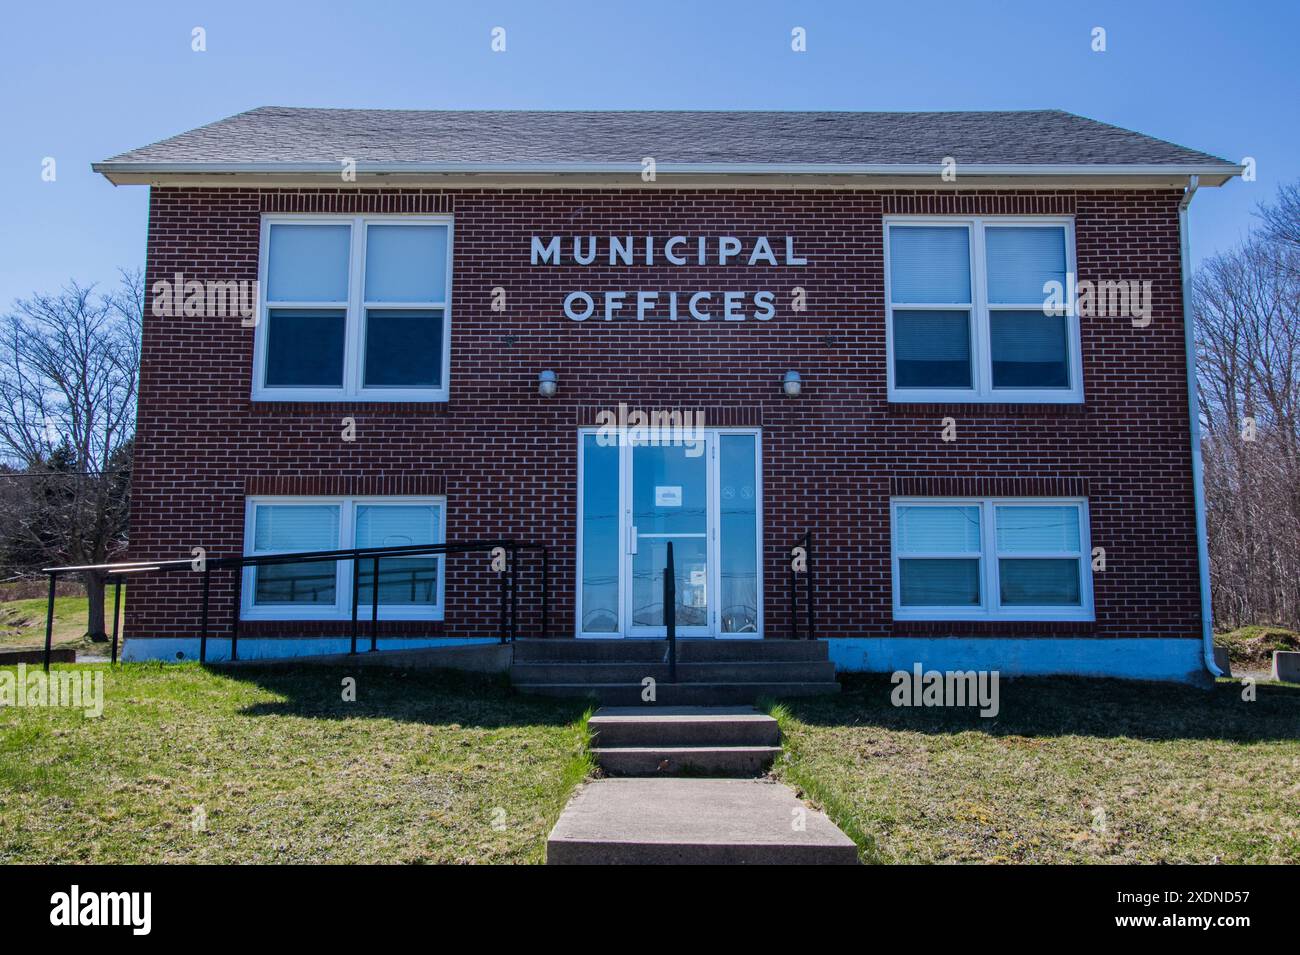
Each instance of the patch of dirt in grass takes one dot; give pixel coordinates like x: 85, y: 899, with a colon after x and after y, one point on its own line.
x: 1251, y: 648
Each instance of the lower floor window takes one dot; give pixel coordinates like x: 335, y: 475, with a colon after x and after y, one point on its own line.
x: 1011, y: 559
x: 408, y: 587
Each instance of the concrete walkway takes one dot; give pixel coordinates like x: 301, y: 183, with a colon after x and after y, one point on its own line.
x: 677, y: 820
x: 694, y: 821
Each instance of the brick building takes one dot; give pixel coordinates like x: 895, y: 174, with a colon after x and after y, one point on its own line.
x: 949, y: 347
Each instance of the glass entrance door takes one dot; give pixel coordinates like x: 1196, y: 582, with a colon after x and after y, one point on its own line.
x: 635, y: 497
x: 668, y: 500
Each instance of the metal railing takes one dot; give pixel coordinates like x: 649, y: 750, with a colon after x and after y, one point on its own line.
x: 508, y: 587
x: 670, y: 613
x: 806, y: 545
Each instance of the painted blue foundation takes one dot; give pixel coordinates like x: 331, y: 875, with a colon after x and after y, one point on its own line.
x: 254, y: 648
x: 1129, y: 659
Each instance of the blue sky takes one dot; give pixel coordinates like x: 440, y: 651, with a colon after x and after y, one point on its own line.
x: 84, y: 81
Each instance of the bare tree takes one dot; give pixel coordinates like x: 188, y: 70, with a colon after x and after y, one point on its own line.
x: 1247, y: 313
x: 68, y: 378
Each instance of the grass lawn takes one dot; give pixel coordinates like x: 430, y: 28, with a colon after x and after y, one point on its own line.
x: 22, y: 622
x: 423, y: 767
x: 1070, y: 771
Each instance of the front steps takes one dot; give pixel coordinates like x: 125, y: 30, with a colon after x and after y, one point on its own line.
x: 668, y: 741
x: 686, y: 820
x: 709, y: 672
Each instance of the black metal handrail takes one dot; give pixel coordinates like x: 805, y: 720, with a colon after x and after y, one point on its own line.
x: 806, y: 544
x: 670, y: 613
x: 509, y: 586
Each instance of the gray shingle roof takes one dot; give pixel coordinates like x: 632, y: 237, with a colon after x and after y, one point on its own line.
x: 275, y: 134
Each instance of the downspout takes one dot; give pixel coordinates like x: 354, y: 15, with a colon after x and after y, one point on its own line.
x: 1194, y: 420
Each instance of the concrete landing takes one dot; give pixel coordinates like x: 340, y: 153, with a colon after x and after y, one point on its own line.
x: 694, y: 822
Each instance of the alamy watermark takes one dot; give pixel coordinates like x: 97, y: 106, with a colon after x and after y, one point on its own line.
x: 660, y: 428
x: 179, y: 297
x: 923, y: 687
x: 74, y: 689
x: 75, y: 907
x: 1109, y: 298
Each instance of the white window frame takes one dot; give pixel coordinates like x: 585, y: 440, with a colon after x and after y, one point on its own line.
x: 354, y: 347
x: 982, y: 390
x: 342, y: 608
x: 990, y: 607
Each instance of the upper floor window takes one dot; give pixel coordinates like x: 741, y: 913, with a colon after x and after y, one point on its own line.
x: 966, y: 321
x: 355, y: 308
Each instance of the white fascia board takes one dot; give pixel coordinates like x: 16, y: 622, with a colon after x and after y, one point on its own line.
x: 135, y: 172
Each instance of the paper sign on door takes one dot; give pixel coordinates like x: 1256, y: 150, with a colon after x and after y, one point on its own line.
x: 668, y: 495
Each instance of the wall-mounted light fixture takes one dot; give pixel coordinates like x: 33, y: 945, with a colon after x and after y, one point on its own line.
x: 792, y: 385
x: 547, y: 384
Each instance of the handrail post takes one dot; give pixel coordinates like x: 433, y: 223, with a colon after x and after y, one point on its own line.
x: 374, y: 609
x: 203, y: 628
x: 239, y: 602
x: 514, y: 592
x: 670, y: 613
x: 546, y: 583
x: 356, y: 589
x: 794, y: 598
x: 504, y: 603
x: 49, y: 624
x: 117, y: 606
x: 808, y: 569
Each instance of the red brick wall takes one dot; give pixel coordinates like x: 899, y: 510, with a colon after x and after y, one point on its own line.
x: 506, y: 457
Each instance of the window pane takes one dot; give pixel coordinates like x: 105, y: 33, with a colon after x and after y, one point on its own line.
x: 939, y: 583
x: 403, y: 347
x: 295, y: 527
x: 931, y: 349
x: 305, y: 348
x: 308, y: 263
x: 738, y: 488
x: 926, y: 529
x: 403, y: 581
x: 289, y: 584
x: 600, y: 537
x: 690, y: 572
x: 930, y: 265
x: 406, y: 263
x: 1037, y: 529
x: 1030, y: 350
x: 670, y: 466
x: 1021, y: 259
x: 1039, y: 583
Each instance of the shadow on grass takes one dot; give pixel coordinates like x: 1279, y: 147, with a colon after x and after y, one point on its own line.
x: 409, y: 695
x: 1073, y: 707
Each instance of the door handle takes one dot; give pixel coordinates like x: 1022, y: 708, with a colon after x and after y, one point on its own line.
x: 631, y: 540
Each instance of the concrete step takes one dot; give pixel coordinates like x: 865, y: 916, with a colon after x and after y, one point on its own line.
x: 615, y: 726
x: 694, y: 821
x: 807, y: 671
x: 685, y: 760
x: 567, y: 650
x: 680, y: 694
